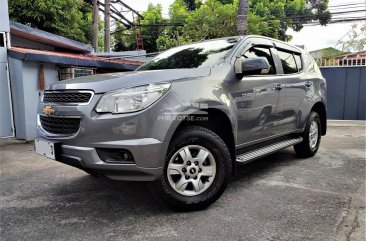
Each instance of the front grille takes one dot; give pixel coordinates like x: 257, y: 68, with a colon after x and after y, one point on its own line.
x: 61, y: 126
x: 67, y: 97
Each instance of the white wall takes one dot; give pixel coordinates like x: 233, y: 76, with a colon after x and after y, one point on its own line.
x: 6, y: 120
x: 4, y: 16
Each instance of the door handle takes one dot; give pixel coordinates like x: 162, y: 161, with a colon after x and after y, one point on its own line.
x: 278, y: 86
x: 308, y: 84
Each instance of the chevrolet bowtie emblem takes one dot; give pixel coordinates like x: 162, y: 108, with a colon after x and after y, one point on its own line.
x: 48, y: 110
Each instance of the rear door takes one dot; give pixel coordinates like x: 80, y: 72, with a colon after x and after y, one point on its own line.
x: 295, y: 85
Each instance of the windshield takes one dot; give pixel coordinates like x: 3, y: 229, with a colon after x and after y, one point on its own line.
x: 192, y: 56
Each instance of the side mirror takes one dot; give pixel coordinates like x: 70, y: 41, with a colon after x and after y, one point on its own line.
x: 257, y: 64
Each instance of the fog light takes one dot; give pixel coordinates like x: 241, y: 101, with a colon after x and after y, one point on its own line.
x: 112, y: 155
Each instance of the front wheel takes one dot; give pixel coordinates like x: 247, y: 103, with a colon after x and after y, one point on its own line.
x: 311, y: 137
x: 196, y: 172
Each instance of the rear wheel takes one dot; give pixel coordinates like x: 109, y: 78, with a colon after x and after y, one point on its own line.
x: 311, y: 137
x: 197, y: 170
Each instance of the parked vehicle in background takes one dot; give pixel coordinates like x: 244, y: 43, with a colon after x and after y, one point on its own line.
x: 185, y: 119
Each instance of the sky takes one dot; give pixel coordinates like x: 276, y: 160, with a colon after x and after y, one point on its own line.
x: 318, y: 37
x: 313, y: 37
x: 141, y: 5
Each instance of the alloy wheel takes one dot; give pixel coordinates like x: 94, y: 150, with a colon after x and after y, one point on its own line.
x: 313, y: 134
x: 191, y: 170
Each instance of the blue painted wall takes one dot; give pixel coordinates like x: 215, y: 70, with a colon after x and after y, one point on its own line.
x: 24, y: 84
x: 346, y: 92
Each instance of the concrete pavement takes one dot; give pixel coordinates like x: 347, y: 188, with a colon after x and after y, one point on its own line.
x: 279, y: 197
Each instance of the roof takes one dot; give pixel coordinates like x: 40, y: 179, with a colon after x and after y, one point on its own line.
x: 41, y: 36
x: 71, y: 59
x: 356, y: 55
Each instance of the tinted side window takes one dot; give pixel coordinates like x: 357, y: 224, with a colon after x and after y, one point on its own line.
x: 261, y: 52
x: 288, y: 62
x: 298, y: 62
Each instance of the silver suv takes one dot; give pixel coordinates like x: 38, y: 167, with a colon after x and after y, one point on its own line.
x: 185, y: 119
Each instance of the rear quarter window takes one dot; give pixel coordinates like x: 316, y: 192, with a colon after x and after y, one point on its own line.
x: 298, y: 61
x: 288, y: 62
x: 311, y: 64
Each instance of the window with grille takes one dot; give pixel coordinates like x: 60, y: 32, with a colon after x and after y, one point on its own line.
x: 72, y: 72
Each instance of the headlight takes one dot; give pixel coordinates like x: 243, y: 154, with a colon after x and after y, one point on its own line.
x: 131, y: 99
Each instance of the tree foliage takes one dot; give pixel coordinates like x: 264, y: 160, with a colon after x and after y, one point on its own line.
x: 330, y: 53
x: 123, y: 39
x: 217, y: 18
x: 273, y: 17
x: 151, y: 31
x: 68, y: 18
x: 354, y: 40
x: 190, y: 20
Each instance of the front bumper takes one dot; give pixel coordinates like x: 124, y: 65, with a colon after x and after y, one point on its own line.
x: 86, y: 158
x: 136, y: 132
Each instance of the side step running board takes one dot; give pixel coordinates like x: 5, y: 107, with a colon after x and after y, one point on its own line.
x: 254, y: 154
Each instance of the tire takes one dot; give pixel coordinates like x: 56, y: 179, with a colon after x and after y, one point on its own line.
x: 212, y: 171
x: 311, y: 140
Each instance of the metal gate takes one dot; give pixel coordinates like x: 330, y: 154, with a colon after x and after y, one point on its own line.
x: 346, y: 98
x: 6, y: 111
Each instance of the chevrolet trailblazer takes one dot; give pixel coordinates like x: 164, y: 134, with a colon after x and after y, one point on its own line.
x: 185, y: 119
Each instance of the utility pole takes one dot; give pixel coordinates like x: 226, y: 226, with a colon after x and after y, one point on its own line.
x: 177, y: 36
x: 107, y: 30
x: 95, y: 25
x: 283, y: 25
x: 242, y: 19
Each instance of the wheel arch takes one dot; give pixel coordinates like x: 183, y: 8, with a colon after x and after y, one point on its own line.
x: 320, y: 108
x: 217, y: 121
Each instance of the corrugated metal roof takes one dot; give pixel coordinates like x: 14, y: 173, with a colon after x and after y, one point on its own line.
x: 71, y: 59
x: 41, y: 36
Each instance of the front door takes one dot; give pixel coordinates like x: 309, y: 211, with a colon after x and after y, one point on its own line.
x: 259, y: 100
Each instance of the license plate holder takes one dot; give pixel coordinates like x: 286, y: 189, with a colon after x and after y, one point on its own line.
x: 46, y: 148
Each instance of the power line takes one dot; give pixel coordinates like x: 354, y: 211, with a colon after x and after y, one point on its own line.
x: 337, y: 21
x: 161, y: 24
x: 315, y: 15
x: 333, y: 20
x: 270, y: 19
x: 352, y: 11
x: 346, y: 5
x: 290, y: 14
x: 345, y: 8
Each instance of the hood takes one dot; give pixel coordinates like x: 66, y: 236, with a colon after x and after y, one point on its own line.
x: 107, y: 82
